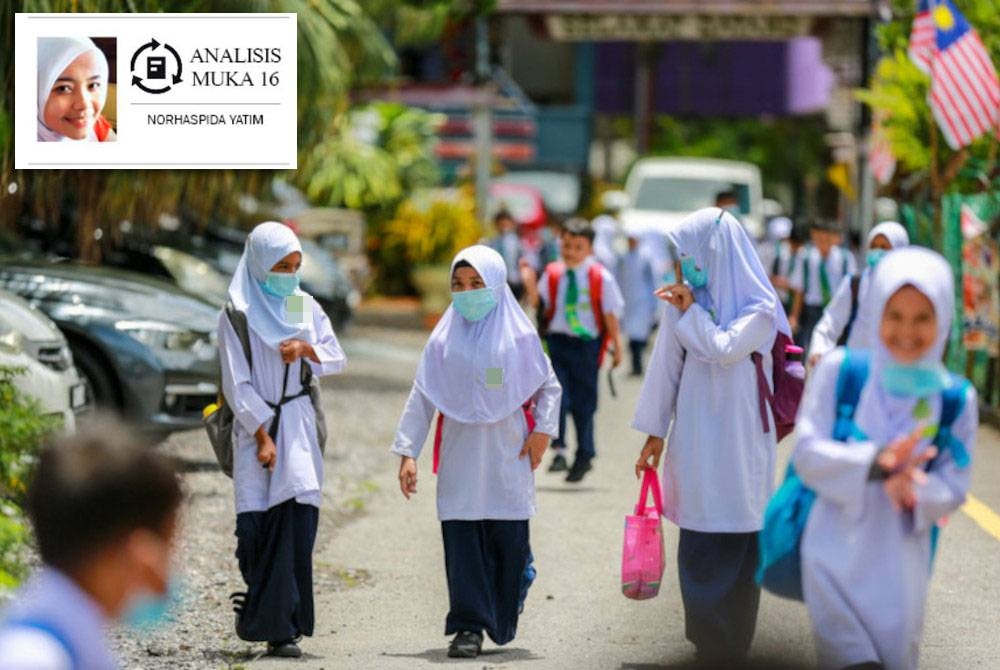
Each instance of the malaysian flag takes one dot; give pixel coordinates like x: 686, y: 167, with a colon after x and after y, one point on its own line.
x: 922, y: 36
x: 965, y: 93
x: 880, y: 159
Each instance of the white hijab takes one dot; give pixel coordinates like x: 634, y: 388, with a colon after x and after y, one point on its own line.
x: 54, y: 55
x: 737, y: 282
x: 881, y: 416
x: 267, y: 244
x: 453, y: 367
x: 894, y: 232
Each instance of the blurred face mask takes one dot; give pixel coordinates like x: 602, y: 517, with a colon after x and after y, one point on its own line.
x: 154, y: 604
x: 915, y: 380
x: 697, y: 277
x: 474, y: 305
x: 874, y: 256
x: 281, y: 284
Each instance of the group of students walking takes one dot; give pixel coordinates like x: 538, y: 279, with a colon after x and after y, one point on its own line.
x: 495, y: 393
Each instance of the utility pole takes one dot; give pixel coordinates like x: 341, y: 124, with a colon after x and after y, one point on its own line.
x: 482, y: 118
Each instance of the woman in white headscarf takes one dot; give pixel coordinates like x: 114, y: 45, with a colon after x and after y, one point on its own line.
x: 867, y: 546
x: 842, y: 322
x: 72, y: 89
x: 277, y: 457
x: 719, y: 468
x: 483, y: 369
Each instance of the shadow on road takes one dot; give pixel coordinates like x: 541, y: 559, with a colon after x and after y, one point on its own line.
x: 494, y: 655
x: 567, y: 489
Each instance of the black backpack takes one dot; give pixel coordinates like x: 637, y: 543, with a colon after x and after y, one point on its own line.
x: 218, y: 421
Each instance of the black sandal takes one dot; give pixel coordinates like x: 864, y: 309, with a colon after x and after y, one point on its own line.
x: 466, y: 645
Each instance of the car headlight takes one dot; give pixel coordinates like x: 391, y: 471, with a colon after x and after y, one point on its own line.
x: 160, y: 335
x: 11, y: 342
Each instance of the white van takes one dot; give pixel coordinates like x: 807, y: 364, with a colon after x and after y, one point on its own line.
x: 659, y: 192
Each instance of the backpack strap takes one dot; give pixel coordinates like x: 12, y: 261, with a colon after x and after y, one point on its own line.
x: 850, y: 381
x: 529, y: 416
x: 595, y: 277
x: 806, y: 275
x: 239, y: 322
x: 952, y: 405
x: 49, y: 629
x: 555, y: 270
x: 849, y: 326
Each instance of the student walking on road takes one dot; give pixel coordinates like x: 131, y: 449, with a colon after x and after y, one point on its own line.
x: 277, y: 434
x: 485, y: 373
x: 868, y: 546
x: 719, y: 467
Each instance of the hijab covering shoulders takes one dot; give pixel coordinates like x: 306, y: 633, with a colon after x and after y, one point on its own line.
x: 929, y: 273
x: 737, y: 281
x: 267, y: 244
x: 452, y: 373
x: 54, y: 55
x: 893, y: 231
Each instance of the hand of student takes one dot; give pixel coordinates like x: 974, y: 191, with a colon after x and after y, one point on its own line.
x: 649, y: 457
x: 267, y: 453
x: 897, y: 455
x: 292, y: 350
x: 535, y: 447
x: 528, y: 275
x: 617, y: 353
x: 793, y: 323
x: 678, y: 295
x: 814, y: 359
x: 408, y: 476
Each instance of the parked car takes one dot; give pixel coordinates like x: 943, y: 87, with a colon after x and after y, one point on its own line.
x: 146, y: 348
x: 524, y: 202
x: 30, y: 340
x: 659, y: 192
x: 186, y: 271
x: 561, y: 191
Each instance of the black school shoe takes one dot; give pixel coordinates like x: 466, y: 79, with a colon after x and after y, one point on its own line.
x: 579, y: 469
x: 285, y: 649
x: 559, y: 464
x: 466, y: 645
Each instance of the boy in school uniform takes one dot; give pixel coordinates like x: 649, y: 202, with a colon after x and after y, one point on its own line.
x: 104, y: 509
x: 818, y: 271
x: 582, y: 305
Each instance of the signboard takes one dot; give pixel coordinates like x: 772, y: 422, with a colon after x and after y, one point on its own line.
x: 155, y: 91
x: 663, y: 27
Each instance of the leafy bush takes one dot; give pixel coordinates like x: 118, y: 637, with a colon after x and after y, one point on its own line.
x: 23, y: 429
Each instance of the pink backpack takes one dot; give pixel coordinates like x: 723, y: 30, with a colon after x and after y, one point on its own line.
x: 642, y: 552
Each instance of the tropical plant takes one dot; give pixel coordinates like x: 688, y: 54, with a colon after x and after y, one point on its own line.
x: 23, y: 428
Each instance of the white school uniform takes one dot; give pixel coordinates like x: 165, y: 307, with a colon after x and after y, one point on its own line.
x: 298, y: 471
x: 866, y: 566
x: 481, y: 475
x: 637, y: 283
x: 836, y: 261
x: 612, y: 301
x: 53, y: 598
x: 838, y: 313
x: 719, y: 463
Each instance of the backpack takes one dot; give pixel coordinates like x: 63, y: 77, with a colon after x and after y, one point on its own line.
x: 780, y: 567
x: 218, y: 418
x: 595, y: 279
x: 789, y: 379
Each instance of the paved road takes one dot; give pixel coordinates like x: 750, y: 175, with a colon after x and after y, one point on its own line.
x: 392, y: 615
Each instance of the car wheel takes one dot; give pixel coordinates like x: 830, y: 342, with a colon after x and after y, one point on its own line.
x: 103, y: 385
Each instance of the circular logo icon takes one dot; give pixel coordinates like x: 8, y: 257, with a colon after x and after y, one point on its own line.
x: 156, y: 67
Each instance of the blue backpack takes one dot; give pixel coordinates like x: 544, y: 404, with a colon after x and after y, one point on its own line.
x: 780, y: 567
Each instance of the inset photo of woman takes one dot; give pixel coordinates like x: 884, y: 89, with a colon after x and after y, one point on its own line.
x: 76, y: 89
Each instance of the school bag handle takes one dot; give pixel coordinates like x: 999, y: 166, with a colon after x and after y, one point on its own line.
x: 650, y: 483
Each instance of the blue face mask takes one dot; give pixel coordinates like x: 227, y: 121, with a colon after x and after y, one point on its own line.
x: 281, y: 284
x: 151, y: 612
x: 474, y: 304
x: 874, y: 256
x: 915, y: 380
x: 697, y: 277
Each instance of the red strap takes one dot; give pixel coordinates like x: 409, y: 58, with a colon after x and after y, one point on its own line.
x: 529, y: 418
x: 650, y: 482
x: 596, y: 279
x: 555, y: 270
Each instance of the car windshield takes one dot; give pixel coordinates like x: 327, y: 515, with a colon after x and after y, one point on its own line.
x: 561, y: 192
x: 193, y: 274
x: 685, y: 194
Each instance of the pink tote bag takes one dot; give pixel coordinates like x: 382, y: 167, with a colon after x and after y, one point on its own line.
x: 642, y: 552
